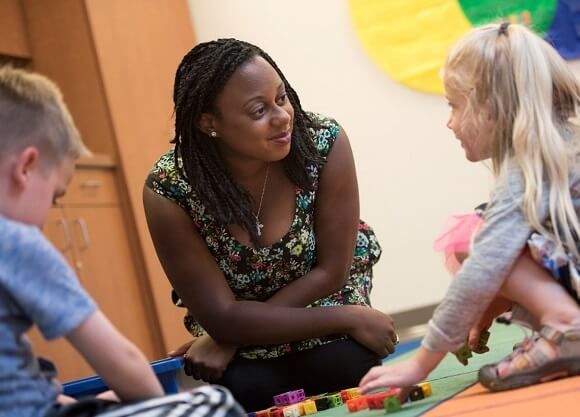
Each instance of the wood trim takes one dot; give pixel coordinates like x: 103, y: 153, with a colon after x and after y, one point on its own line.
x: 13, y: 38
x: 138, y: 46
x: 62, y: 48
x: 97, y: 161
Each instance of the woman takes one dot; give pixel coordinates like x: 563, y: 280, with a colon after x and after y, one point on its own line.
x: 254, y: 216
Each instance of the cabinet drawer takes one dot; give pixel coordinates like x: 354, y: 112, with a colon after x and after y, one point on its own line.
x: 91, y: 186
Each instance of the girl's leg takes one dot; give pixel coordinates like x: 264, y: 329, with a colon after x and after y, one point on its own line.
x: 552, y: 353
x: 535, y: 289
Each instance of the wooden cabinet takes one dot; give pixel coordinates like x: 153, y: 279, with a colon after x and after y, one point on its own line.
x: 13, y: 38
x: 89, y: 228
x: 114, y: 62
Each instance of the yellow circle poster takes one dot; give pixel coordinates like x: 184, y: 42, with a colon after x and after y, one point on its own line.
x: 409, y: 39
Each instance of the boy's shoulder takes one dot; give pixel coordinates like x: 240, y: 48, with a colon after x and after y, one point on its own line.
x: 25, y: 247
x: 17, y: 235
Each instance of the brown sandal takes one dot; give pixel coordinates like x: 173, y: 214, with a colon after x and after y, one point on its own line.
x: 533, y: 361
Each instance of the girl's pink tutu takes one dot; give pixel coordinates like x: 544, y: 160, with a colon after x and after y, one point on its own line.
x: 456, y: 238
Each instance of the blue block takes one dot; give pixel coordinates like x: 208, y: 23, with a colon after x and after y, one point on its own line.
x: 165, y: 369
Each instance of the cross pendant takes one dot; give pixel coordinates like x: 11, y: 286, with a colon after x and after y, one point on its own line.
x: 259, y: 227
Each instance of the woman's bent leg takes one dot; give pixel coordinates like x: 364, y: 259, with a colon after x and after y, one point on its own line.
x: 327, y: 368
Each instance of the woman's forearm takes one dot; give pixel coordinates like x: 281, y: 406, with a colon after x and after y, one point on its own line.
x: 316, y: 284
x: 252, y: 322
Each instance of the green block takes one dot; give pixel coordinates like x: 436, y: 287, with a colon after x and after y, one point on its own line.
x: 463, y: 354
x: 482, y: 342
x: 391, y: 404
x: 334, y: 400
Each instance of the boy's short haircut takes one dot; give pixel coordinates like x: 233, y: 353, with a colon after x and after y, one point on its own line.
x: 33, y: 113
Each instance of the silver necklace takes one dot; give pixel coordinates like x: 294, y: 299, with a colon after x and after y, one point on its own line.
x: 259, y: 225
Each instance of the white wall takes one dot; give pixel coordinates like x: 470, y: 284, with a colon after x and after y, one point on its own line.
x: 411, y: 170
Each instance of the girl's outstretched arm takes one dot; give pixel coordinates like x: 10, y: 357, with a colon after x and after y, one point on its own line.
x: 403, y: 374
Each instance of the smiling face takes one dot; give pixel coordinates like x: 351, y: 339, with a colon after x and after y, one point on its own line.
x: 475, y: 141
x: 253, y: 118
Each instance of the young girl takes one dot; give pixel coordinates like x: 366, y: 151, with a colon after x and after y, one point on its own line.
x: 513, y: 100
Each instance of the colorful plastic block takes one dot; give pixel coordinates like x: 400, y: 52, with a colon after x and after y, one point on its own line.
x: 426, y: 387
x: 281, y: 399
x: 357, y: 404
x: 334, y: 400
x: 416, y: 393
x: 353, y: 393
x: 296, y: 396
x: 392, y: 404
x: 290, y: 397
x: 276, y: 412
x: 482, y: 342
x: 463, y: 354
x: 291, y: 411
x: 376, y: 401
x: 322, y: 403
x: 309, y: 407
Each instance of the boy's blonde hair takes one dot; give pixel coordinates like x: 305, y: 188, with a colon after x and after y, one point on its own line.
x: 511, y: 76
x: 32, y: 113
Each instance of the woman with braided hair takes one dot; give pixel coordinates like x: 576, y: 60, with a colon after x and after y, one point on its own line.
x: 255, y: 217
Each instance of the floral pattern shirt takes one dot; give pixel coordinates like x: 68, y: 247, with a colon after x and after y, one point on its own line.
x: 256, y: 274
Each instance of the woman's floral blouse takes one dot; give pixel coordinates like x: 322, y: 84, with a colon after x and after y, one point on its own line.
x: 256, y: 274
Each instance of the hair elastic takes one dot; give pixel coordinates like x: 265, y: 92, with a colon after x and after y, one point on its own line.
x: 503, y: 29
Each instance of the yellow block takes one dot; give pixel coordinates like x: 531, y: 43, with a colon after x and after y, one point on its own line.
x: 426, y: 387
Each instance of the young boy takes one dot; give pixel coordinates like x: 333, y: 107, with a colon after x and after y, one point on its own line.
x: 38, y: 148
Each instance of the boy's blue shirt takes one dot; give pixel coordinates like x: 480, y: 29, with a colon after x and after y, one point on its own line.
x: 37, y: 287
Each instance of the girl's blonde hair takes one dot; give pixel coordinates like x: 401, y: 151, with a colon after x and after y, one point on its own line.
x: 515, y: 79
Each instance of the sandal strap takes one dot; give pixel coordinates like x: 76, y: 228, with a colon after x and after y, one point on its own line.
x: 552, y: 335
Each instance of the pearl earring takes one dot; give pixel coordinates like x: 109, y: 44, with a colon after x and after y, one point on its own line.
x: 213, y: 134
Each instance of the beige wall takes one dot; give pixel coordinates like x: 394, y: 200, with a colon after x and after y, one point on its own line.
x: 411, y: 171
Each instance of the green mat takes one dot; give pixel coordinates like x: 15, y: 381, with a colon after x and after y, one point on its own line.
x: 449, y: 378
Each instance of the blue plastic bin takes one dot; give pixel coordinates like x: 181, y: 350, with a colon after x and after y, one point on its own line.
x: 165, y: 369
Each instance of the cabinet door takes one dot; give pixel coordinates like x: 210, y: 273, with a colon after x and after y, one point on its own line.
x: 69, y: 362
x: 104, y: 256
x: 58, y: 230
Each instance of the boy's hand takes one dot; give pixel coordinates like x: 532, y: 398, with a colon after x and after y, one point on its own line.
x: 109, y: 396
x: 181, y: 350
x: 402, y: 374
x: 206, y: 359
x: 65, y: 399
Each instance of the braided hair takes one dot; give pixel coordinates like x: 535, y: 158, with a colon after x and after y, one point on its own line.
x: 200, y: 77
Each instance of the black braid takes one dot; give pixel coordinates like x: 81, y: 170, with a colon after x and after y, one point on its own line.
x: 200, y: 77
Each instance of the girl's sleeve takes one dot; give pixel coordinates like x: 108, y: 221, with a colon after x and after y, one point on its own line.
x: 496, y: 248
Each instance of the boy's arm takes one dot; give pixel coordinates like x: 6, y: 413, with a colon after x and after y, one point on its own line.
x: 118, y: 361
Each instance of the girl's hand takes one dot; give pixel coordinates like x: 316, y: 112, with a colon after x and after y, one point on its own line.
x: 498, y: 306
x: 402, y: 374
x: 206, y: 359
x: 399, y: 375
x: 373, y: 329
